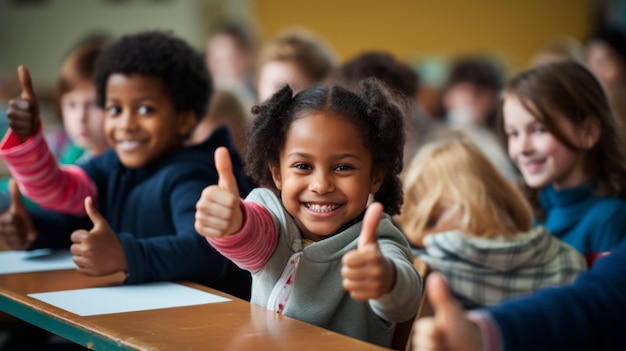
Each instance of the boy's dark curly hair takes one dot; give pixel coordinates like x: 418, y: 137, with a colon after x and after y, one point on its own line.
x: 371, y: 111
x: 159, y: 54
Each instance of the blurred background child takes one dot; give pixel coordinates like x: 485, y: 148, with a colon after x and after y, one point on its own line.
x: 469, y: 101
x: 404, y: 82
x: 230, y: 56
x: 82, y: 134
x: 606, y: 58
x: 295, y: 57
x: 562, y: 136
x: 475, y: 227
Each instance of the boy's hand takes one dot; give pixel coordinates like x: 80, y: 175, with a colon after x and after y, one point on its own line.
x: 23, y: 113
x: 449, y: 329
x: 98, y: 251
x: 218, y: 212
x: 367, y: 274
x: 17, y: 231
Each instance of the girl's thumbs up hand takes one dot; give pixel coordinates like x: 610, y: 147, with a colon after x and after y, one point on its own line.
x: 367, y: 274
x: 23, y: 112
x: 218, y: 212
x: 98, y: 251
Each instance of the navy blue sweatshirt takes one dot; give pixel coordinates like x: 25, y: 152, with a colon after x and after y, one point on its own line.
x: 152, y: 211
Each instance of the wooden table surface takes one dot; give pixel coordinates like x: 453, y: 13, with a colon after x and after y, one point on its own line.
x: 234, y: 325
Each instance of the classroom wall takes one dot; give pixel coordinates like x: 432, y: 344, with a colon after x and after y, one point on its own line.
x: 41, y: 32
x: 418, y: 29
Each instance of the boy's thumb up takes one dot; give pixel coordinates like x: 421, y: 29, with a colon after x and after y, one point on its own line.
x: 18, y: 210
x: 224, y: 166
x: 28, y: 92
x: 16, y: 197
x: 438, y: 294
x: 96, y: 218
x: 446, y: 309
x: 371, y: 219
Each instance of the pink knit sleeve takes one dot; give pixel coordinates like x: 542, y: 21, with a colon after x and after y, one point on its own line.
x: 40, y: 177
x: 253, y: 245
x: 488, y: 329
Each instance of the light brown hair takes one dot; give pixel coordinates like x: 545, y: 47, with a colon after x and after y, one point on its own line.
x: 451, y: 185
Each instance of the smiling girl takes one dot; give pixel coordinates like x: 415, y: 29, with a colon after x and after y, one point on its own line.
x: 314, y: 256
x: 563, y: 138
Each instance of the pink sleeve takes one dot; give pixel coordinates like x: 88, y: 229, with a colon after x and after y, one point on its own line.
x: 40, y: 177
x: 252, y: 246
x: 488, y: 330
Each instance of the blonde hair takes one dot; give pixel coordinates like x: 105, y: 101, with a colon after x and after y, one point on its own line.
x: 451, y: 185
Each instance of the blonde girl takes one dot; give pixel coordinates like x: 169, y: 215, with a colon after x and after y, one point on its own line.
x: 471, y: 224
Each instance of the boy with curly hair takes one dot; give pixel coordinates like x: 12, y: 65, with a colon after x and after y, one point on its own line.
x: 141, y: 194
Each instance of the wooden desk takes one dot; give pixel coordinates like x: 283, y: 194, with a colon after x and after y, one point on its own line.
x: 234, y: 325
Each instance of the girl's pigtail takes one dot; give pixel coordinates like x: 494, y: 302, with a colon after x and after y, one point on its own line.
x: 388, y: 132
x: 264, y: 138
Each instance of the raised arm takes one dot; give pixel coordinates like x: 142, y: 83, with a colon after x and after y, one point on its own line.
x: 31, y: 163
x: 243, y: 232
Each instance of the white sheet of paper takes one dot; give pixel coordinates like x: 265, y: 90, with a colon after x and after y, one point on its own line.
x: 35, y: 261
x: 127, y: 298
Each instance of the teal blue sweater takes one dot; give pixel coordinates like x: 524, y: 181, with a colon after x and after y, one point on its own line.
x: 586, y: 221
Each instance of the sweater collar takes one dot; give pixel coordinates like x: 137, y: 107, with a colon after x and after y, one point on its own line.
x: 551, y: 197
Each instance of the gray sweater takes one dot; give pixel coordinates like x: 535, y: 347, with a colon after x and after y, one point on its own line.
x: 318, y: 296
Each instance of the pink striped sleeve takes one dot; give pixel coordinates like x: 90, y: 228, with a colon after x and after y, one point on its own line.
x: 253, y: 245
x: 40, y: 177
x: 488, y: 329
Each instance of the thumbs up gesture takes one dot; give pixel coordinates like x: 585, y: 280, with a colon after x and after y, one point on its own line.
x: 23, y: 112
x: 17, y: 231
x: 449, y: 329
x: 218, y: 212
x: 98, y: 251
x: 367, y: 274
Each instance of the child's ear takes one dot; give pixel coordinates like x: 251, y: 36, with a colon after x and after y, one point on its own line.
x: 590, y: 132
x: 275, y: 170
x: 187, y: 121
x: 377, y: 181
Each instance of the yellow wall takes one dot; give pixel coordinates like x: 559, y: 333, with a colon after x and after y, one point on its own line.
x: 415, y: 29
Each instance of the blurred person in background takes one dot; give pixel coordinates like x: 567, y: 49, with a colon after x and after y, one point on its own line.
x: 230, y: 55
x: 606, y: 58
x: 404, y: 82
x: 297, y: 58
x: 469, y: 101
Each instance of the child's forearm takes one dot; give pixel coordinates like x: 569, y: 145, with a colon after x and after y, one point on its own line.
x: 253, y: 245
x: 41, y: 179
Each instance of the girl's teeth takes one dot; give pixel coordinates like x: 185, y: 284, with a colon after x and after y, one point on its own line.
x: 322, y: 208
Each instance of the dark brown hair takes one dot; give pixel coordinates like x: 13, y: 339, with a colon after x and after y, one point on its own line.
x: 569, y: 89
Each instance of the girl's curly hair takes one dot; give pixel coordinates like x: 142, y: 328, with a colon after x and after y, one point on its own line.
x: 371, y: 110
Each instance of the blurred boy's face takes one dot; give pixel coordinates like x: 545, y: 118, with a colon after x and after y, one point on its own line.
x: 141, y: 122
x: 82, y: 119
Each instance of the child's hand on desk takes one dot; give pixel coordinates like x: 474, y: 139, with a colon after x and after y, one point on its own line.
x: 367, y: 274
x: 218, y: 212
x: 98, y: 251
x: 23, y: 112
x: 17, y: 231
